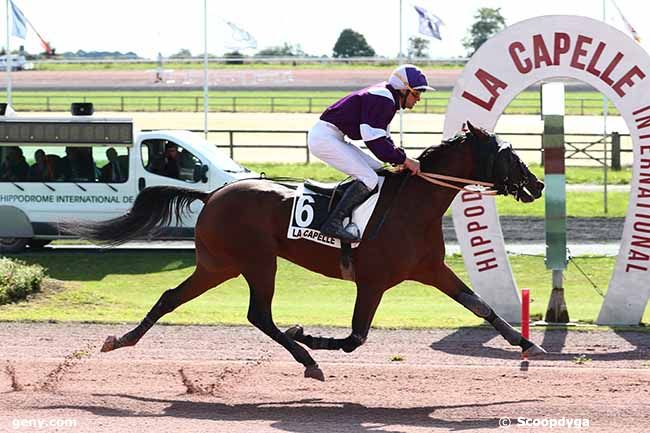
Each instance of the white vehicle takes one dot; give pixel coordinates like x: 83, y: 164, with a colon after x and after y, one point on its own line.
x: 63, y: 169
x: 18, y: 63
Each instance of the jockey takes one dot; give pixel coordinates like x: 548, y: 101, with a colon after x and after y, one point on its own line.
x: 364, y: 115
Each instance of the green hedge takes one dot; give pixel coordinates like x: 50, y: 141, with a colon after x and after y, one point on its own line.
x: 17, y: 280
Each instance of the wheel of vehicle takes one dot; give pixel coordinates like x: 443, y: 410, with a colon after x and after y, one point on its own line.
x: 13, y: 245
x: 38, y: 243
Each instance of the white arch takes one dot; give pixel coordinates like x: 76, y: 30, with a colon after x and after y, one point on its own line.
x: 538, y: 49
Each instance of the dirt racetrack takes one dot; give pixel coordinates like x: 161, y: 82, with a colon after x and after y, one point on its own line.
x: 234, y: 379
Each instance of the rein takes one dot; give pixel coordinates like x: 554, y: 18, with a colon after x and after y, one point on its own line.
x: 468, y: 183
x: 433, y: 178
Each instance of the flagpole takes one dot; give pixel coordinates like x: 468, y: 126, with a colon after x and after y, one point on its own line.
x: 8, y: 62
x: 605, y: 110
x: 401, y: 57
x: 399, y: 54
x: 205, y: 69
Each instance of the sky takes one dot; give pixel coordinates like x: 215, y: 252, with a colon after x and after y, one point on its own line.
x: 148, y: 27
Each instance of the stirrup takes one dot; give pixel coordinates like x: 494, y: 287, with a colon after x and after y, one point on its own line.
x: 349, y: 233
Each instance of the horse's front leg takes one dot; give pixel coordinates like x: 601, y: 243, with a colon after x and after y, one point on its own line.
x: 365, y: 307
x: 446, y: 280
x: 261, y: 281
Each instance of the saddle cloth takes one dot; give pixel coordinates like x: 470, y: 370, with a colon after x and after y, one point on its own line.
x: 310, y: 209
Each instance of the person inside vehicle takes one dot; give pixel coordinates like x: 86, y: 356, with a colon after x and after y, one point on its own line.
x: 364, y: 115
x: 112, y: 172
x: 70, y: 164
x: 172, y: 161
x: 78, y: 164
x: 41, y: 170
x: 14, y: 167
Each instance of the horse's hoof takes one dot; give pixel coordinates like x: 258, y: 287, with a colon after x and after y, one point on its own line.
x: 295, y: 332
x: 109, y: 344
x: 534, y: 351
x: 314, y: 372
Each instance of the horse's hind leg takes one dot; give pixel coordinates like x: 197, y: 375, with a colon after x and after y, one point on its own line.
x: 445, y: 279
x: 196, y: 284
x: 261, y: 281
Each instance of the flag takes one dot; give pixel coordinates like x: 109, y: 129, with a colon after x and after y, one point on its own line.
x: 429, y: 23
x: 629, y: 27
x: 19, y: 27
x: 240, y: 38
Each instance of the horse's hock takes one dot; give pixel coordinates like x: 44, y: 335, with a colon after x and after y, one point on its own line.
x: 541, y: 49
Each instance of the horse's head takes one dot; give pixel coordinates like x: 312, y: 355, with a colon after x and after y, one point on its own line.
x: 498, y: 163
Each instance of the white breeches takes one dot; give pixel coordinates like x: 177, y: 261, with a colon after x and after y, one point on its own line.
x: 326, y: 142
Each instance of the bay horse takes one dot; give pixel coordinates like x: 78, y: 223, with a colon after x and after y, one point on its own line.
x: 242, y: 230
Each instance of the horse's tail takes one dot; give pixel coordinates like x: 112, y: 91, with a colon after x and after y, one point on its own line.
x: 153, y: 209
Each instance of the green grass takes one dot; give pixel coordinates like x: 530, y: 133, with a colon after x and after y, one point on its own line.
x: 592, y: 175
x: 122, y: 286
x: 527, y: 102
x: 317, y: 171
x: 578, y: 204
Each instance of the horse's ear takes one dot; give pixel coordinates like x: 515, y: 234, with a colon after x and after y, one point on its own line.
x: 476, y: 132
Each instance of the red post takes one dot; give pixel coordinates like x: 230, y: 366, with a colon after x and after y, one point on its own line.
x: 525, y: 315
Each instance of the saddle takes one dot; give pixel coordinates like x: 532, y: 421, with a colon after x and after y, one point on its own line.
x: 332, y: 190
x: 313, y: 201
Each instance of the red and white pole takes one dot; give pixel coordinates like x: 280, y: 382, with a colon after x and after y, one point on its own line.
x: 525, y: 315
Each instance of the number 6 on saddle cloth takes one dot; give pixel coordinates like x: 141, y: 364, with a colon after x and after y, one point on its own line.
x: 311, y: 205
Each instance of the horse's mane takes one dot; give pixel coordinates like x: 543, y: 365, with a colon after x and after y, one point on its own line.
x: 431, y: 156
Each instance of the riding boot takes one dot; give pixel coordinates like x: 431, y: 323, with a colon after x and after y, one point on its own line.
x: 356, y: 193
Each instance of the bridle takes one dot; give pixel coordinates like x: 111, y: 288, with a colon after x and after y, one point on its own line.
x: 515, y: 188
x: 504, y: 187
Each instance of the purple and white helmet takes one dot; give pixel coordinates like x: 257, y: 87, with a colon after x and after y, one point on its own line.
x: 409, y: 77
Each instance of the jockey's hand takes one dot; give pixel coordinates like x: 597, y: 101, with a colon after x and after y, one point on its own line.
x: 413, y: 165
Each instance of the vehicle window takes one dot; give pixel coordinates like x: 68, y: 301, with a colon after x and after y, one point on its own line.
x: 169, y: 159
x: 64, y: 164
x: 144, y: 155
x: 14, y: 166
x: 113, y: 163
